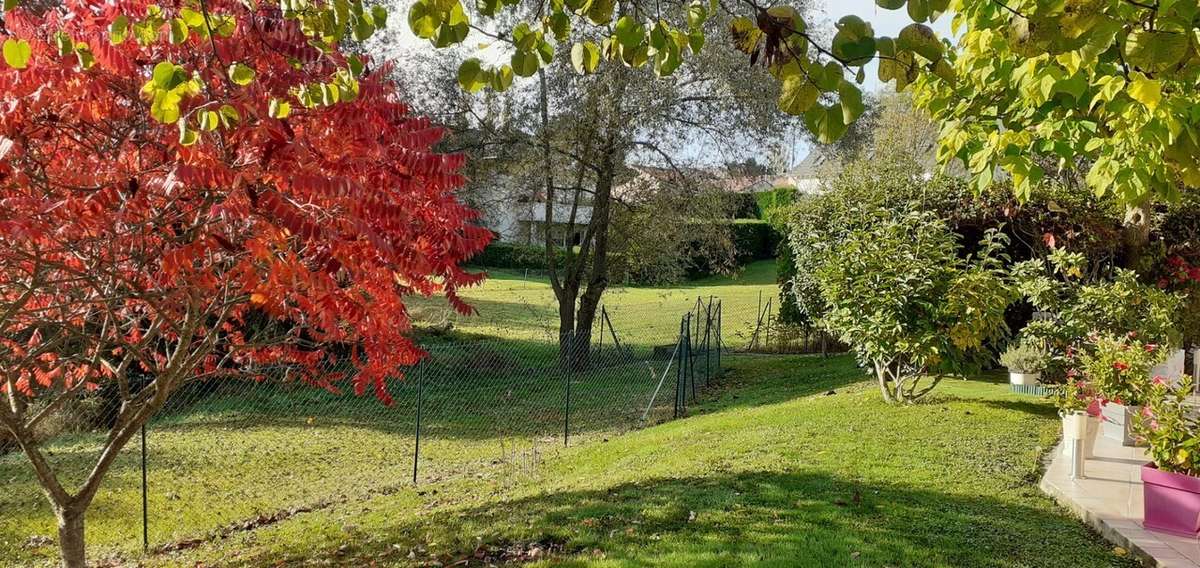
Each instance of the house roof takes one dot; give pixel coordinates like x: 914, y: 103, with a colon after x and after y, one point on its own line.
x: 651, y: 178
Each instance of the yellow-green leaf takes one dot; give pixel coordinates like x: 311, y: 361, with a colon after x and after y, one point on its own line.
x: 471, y: 75
x: 1146, y: 91
x: 279, y: 109
x: 187, y: 136
x: 241, y: 74
x: 118, y: 30
x: 16, y: 53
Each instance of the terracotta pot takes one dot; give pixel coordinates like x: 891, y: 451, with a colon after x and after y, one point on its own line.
x: 1171, y: 501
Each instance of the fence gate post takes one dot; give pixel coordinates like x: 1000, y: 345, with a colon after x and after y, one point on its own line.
x: 417, y: 447
x: 145, y: 502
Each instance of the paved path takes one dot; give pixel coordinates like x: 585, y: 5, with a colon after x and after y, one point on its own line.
x: 1109, y: 498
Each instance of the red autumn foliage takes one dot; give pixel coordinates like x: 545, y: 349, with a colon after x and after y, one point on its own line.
x: 122, y: 248
x: 262, y: 243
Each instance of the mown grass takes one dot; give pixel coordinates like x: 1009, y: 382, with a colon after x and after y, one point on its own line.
x: 796, y: 462
x: 232, y: 451
x: 236, y: 451
x: 515, y: 306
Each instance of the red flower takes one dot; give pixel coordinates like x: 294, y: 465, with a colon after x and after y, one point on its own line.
x: 1150, y: 347
x: 1120, y: 366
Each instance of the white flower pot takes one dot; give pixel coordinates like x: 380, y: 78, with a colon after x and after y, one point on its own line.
x: 1091, y: 429
x: 1118, y: 423
x: 1171, y: 369
x: 1023, y: 378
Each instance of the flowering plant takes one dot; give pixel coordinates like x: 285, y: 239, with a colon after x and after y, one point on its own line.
x: 1119, y: 366
x: 1075, y: 394
x: 1169, y: 424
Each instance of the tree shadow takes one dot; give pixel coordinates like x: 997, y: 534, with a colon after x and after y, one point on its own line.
x: 780, y: 378
x: 744, y: 519
x: 1040, y: 409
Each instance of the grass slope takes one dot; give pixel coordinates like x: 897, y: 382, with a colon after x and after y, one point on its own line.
x: 772, y: 472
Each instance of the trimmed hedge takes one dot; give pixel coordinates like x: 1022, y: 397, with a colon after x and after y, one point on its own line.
x: 515, y: 256
x: 755, y: 239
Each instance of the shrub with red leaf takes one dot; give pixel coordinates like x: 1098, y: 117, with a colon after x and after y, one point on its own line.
x: 161, y: 191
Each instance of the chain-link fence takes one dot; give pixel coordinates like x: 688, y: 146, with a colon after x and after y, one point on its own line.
x: 229, y: 455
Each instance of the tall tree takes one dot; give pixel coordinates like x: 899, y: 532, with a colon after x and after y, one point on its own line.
x: 174, y: 174
x: 627, y: 115
x: 1108, y: 86
x: 577, y: 134
x: 1105, y: 88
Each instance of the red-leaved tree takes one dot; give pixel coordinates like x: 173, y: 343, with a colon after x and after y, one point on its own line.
x: 202, y: 190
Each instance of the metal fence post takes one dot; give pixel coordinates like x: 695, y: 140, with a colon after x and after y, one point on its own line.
x: 720, y: 341
x: 691, y: 358
x: 567, y: 411
x: 417, y: 447
x: 679, y: 370
x: 708, y: 341
x: 145, y: 501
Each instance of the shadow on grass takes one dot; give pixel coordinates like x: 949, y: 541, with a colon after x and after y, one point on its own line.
x: 748, y: 519
x: 779, y: 378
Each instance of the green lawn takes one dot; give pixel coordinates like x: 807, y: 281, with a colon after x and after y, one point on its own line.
x: 511, y: 305
x: 768, y: 470
x: 772, y: 471
x: 239, y: 450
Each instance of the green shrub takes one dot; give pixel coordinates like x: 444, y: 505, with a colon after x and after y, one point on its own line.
x: 754, y: 239
x: 515, y: 256
x: 1024, y: 358
x: 773, y: 204
x: 900, y: 294
x: 1115, y: 307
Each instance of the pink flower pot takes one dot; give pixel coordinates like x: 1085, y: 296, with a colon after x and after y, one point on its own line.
x: 1171, y: 501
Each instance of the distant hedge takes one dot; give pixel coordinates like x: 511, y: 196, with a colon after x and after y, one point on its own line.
x: 755, y: 239
x: 513, y: 255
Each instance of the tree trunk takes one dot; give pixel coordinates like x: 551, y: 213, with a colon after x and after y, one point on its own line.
x: 881, y: 373
x: 71, y: 537
x: 1136, y: 235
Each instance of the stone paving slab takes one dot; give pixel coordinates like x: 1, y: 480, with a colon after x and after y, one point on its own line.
x: 1109, y: 497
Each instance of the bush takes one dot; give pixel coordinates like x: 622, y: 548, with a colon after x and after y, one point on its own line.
x: 1119, y: 367
x: 773, y: 204
x: 754, y: 239
x: 515, y: 256
x: 1024, y: 358
x: 902, y: 297
x: 1112, y: 308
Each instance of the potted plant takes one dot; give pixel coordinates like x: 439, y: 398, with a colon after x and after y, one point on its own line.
x: 1171, y: 483
x: 1073, y: 400
x: 1025, y: 363
x: 1119, y: 368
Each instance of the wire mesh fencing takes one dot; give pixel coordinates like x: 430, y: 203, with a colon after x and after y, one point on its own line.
x: 229, y: 455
